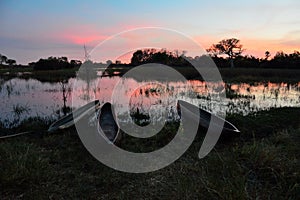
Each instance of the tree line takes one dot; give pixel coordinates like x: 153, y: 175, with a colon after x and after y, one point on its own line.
x: 54, y: 63
x: 8, y: 61
x: 226, y: 53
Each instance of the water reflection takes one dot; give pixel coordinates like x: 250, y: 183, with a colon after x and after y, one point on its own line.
x: 66, y: 91
x: 147, y: 100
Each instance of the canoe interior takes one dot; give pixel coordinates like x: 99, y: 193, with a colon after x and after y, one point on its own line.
x: 72, y: 117
x: 205, y: 117
x: 107, y: 124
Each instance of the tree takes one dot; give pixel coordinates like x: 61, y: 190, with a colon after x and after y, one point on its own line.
x: 52, y: 63
x: 162, y: 56
x: 109, y: 62
x: 267, y: 55
x: 3, y: 59
x: 10, y: 62
x: 75, y: 63
x: 137, y: 57
x: 231, y: 47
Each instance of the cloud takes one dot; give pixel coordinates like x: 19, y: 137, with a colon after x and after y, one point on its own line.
x: 291, y: 39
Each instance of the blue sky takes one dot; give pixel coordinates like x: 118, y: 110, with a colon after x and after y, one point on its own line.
x: 34, y: 29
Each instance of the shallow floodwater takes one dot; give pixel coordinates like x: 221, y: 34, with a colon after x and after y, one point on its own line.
x: 20, y: 98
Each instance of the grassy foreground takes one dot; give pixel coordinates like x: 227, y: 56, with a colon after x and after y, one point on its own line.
x: 260, y: 163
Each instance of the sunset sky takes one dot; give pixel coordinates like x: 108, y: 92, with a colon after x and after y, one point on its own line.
x: 34, y: 29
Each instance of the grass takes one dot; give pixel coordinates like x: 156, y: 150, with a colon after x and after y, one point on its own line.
x: 19, y: 109
x: 34, y: 124
x: 260, y: 163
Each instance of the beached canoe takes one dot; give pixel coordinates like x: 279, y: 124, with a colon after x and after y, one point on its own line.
x: 205, y: 117
x: 70, y: 119
x: 106, y: 124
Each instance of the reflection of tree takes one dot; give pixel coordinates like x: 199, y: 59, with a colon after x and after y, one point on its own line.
x: 88, y: 73
x: 1, y: 83
x: 65, y: 88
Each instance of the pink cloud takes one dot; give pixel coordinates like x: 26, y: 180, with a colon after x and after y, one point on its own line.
x: 82, y: 35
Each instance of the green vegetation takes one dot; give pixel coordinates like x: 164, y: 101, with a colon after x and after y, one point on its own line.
x: 229, y: 47
x: 4, y: 59
x: 55, y: 63
x: 249, y: 75
x: 260, y: 163
x: 34, y: 124
x: 8, y: 73
x: 229, y: 75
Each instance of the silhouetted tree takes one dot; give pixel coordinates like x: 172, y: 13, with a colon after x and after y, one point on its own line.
x: 283, y: 60
x: 75, y: 63
x: 267, y: 55
x: 162, y: 56
x: 137, y: 57
x: 231, y: 47
x: 52, y: 63
x: 247, y: 61
x: 3, y: 59
x: 108, y: 62
x: 10, y: 62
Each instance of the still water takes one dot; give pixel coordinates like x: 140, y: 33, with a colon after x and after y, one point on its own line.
x: 22, y: 98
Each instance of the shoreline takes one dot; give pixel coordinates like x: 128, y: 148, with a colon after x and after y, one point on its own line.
x: 229, y: 75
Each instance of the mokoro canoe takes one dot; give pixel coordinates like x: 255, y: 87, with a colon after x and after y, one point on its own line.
x: 72, y: 118
x: 205, y: 117
x: 106, y: 125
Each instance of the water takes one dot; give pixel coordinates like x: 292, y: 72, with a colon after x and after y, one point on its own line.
x: 22, y: 98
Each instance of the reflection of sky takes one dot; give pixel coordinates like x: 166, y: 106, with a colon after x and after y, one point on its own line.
x: 33, y: 29
x: 46, y: 100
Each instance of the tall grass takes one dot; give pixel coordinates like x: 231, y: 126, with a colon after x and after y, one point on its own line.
x: 18, y: 110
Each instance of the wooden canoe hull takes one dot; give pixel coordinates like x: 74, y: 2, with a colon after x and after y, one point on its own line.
x: 205, y: 117
x: 107, y: 125
x: 72, y: 118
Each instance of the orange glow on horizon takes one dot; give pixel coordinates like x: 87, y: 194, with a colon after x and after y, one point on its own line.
x: 255, y: 47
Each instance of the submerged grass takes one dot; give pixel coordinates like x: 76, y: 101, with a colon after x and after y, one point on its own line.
x: 252, y: 166
x: 34, y: 124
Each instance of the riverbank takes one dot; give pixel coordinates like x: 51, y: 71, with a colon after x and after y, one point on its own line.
x: 228, y: 75
x: 41, y: 75
x: 261, y: 162
x: 256, y: 75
